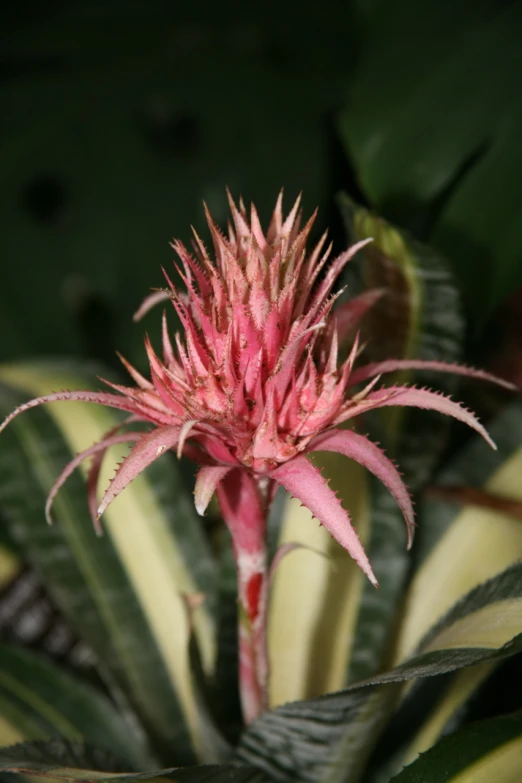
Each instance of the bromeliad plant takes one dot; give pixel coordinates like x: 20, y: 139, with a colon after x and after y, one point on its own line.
x: 251, y: 386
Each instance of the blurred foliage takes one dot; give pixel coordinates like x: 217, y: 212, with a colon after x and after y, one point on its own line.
x: 119, y: 117
x: 432, y: 127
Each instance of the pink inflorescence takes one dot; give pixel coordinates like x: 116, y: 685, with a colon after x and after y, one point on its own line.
x: 256, y: 376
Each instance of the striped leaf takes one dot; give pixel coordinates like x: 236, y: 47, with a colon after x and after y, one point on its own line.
x: 460, y: 544
x: 122, y: 592
x: 63, y: 760
x: 333, y: 734
x: 418, y: 317
x: 376, y: 612
x: 40, y: 700
x: 315, y: 593
x: 490, y: 750
x: 321, y: 597
x: 225, y: 691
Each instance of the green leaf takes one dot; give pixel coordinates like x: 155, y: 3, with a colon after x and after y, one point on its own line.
x: 73, y: 761
x: 39, y: 699
x: 444, y: 158
x: 57, y: 756
x: 418, y: 317
x: 377, y: 608
x: 490, y: 750
x: 123, y: 592
x: 321, y: 597
x: 445, y: 713
x: 315, y: 592
x: 225, y: 691
x: 459, y: 545
x: 334, y: 733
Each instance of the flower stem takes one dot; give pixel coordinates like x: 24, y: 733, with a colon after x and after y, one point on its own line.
x: 244, y: 511
x: 253, y: 659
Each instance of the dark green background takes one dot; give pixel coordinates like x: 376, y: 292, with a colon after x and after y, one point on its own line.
x: 118, y: 118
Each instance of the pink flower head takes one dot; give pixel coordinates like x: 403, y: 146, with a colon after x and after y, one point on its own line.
x: 253, y: 383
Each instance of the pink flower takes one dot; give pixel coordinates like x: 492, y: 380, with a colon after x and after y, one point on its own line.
x: 252, y: 387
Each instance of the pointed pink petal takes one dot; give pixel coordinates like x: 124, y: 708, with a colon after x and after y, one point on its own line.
x: 361, y: 395
x: 206, y: 482
x: 415, y: 398
x: 304, y: 482
x: 276, y: 222
x: 167, y: 390
x: 311, y: 272
x: 334, y: 271
x: 168, y: 351
x: 257, y: 231
x: 149, y: 448
x: 265, y: 441
x: 149, y: 302
x: 288, y: 359
x: 184, y: 432
x: 331, y: 361
x: 98, y: 449
x: 238, y: 215
x: 193, y: 266
x: 362, y: 374
x: 289, y: 224
x: 370, y: 456
x: 136, y: 376
x: 93, y: 473
x: 298, y: 263
x: 101, y: 398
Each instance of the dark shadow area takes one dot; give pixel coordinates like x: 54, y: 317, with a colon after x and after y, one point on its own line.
x: 45, y: 199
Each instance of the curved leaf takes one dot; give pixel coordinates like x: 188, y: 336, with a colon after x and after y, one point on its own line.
x: 122, y: 592
x: 445, y: 711
x: 335, y: 733
x: 315, y: 592
x: 319, y: 597
x: 418, y: 168
x: 490, y: 750
x: 226, y: 680
x: 462, y: 545
x: 41, y: 700
x: 459, y: 544
x: 63, y: 760
x: 377, y: 608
